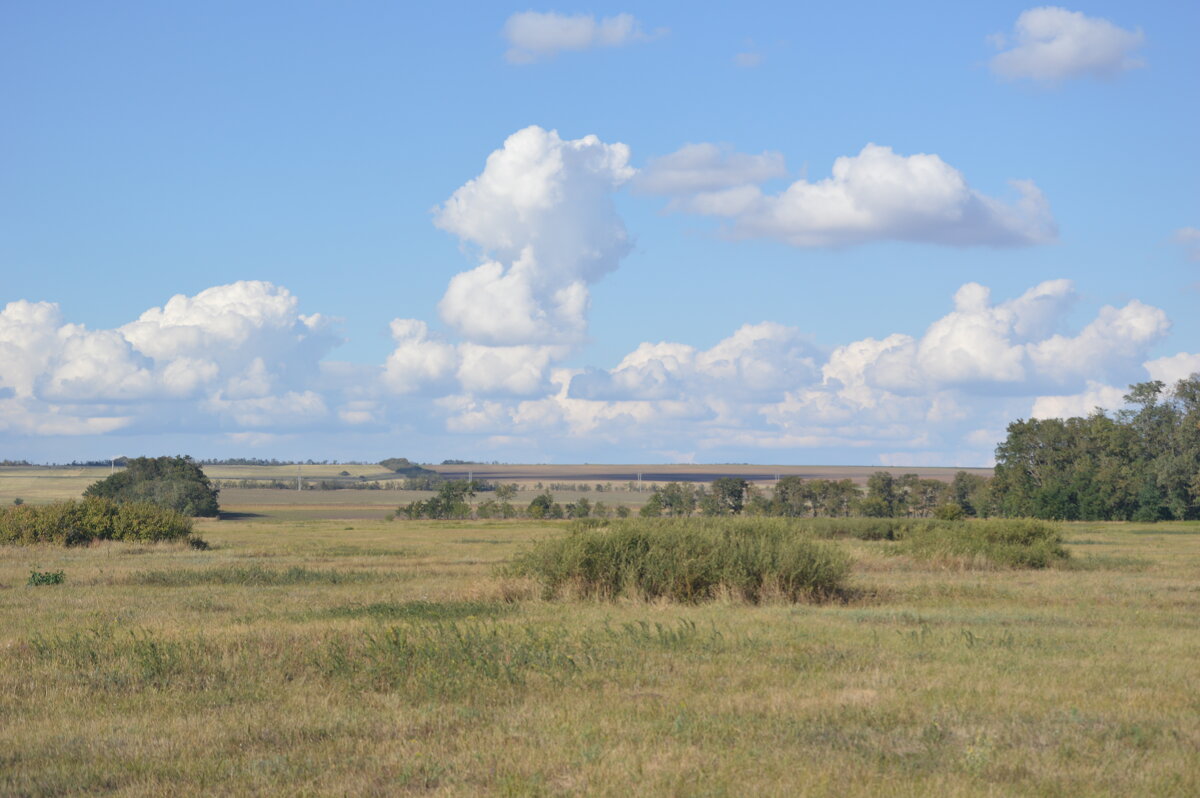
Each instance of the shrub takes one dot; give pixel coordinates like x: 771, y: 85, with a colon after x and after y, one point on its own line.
x: 686, y: 560
x: 949, y: 512
x: 72, y: 523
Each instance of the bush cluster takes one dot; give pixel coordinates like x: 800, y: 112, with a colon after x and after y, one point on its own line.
x: 686, y: 560
x: 73, y: 523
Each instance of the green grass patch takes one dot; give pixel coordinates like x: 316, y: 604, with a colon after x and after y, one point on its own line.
x: 474, y: 658
x: 248, y: 576
x: 687, y: 560
x: 1105, y: 562
x: 420, y: 610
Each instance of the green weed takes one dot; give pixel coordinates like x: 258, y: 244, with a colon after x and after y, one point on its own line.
x: 37, y: 578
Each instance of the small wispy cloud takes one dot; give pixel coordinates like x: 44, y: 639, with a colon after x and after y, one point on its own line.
x: 537, y: 36
x: 1189, y: 239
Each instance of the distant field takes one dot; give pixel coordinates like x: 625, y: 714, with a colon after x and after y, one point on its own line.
x: 42, y: 484
x: 687, y: 473
x: 307, y: 654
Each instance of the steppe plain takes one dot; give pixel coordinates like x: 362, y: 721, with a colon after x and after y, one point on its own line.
x: 318, y: 648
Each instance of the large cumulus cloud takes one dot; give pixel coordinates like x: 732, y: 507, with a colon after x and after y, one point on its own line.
x: 225, y: 349
x: 947, y: 392
x: 542, y: 218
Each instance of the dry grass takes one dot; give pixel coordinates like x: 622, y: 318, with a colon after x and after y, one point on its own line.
x: 362, y: 657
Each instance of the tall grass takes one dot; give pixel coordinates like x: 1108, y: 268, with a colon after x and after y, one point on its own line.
x: 992, y: 542
x: 1006, y: 542
x: 686, y: 560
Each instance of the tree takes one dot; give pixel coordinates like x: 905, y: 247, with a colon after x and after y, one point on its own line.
x: 1142, y: 463
x: 883, y: 497
x: 541, y: 505
x: 969, y: 491
x: 175, y: 483
x: 792, y: 498
x: 678, y: 499
x: 728, y: 496
x: 451, y: 501
x: 652, y: 508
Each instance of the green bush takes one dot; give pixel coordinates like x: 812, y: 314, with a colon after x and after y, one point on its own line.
x: 686, y: 560
x: 73, y: 523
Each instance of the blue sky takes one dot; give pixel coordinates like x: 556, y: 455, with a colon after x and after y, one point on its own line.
x: 288, y: 169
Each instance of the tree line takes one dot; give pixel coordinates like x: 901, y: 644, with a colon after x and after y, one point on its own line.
x: 1141, y: 463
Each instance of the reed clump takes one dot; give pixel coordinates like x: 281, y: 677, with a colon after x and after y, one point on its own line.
x: 687, y: 560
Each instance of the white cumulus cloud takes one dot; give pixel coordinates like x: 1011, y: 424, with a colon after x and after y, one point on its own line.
x: 880, y: 195
x: 758, y: 361
x: 1051, y: 44
x: 1174, y: 368
x: 542, y: 216
x: 236, y: 343
x: 1097, y: 395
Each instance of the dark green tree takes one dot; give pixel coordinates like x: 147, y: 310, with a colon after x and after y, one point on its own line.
x: 175, y: 483
x: 728, y: 496
x: 678, y: 499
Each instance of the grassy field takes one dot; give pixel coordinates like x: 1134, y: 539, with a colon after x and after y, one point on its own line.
x: 319, y: 649
x: 311, y: 654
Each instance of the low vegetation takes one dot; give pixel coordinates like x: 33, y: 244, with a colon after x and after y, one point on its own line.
x: 1015, y: 542
x: 73, y: 523
x: 299, y: 656
x: 686, y: 561
x: 38, y: 578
